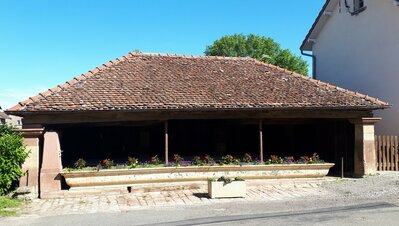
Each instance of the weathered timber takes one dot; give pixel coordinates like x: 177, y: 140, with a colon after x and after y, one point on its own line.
x: 119, y: 116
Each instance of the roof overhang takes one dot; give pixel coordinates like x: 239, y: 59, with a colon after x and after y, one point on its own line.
x: 325, y: 13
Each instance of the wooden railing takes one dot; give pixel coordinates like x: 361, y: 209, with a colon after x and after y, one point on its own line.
x: 387, y: 152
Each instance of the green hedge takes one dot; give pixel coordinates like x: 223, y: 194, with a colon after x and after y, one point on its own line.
x: 12, y: 155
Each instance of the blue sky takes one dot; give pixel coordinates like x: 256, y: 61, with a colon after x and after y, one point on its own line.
x: 45, y: 43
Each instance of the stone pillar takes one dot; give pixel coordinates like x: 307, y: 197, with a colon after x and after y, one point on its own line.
x: 50, y: 178
x: 365, y: 156
x: 30, y: 179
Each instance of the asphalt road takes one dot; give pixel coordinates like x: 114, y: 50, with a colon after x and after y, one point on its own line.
x: 326, y: 212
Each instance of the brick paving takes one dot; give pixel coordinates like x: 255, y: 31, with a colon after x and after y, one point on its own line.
x: 197, y: 195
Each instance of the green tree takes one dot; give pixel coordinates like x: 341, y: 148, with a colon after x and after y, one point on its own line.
x: 12, y: 156
x: 261, y: 48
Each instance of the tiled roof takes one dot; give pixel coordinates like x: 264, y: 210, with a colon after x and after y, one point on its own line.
x: 138, y: 81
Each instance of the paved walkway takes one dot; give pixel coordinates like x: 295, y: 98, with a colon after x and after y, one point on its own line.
x: 256, y: 191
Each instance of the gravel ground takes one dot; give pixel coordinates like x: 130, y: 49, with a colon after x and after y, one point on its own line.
x: 384, y: 185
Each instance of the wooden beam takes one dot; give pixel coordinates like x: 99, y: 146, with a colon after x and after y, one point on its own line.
x: 166, y: 143
x: 260, y: 141
x: 117, y: 116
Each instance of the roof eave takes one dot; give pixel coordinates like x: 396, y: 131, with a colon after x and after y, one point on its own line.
x: 350, y: 108
x: 307, y: 44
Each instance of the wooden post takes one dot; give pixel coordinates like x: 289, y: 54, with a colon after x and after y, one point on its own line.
x: 260, y: 141
x: 342, y: 167
x: 166, y: 143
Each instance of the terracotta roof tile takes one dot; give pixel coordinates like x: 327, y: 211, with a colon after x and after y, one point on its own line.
x: 140, y: 81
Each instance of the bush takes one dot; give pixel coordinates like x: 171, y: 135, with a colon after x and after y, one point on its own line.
x: 197, y: 161
x: 247, y: 158
x: 12, y: 156
x: 155, y: 160
x: 208, y: 160
x: 80, y: 163
x: 178, y: 159
x: 132, y: 162
x: 106, y: 164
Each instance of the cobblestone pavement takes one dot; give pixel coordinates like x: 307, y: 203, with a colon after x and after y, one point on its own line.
x: 256, y: 191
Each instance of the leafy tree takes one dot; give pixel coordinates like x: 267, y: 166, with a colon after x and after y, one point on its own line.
x: 12, y: 156
x: 259, y: 47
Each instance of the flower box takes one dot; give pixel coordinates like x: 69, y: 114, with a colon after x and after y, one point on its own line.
x: 220, y: 189
x: 129, y: 177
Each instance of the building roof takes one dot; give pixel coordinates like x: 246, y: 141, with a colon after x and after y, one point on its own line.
x: 145, y: 82
x: 318, y: 24
x: 4, y: 115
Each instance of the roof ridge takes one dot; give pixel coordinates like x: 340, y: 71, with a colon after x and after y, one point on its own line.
x: 66, y: 84
x: 138, y: 53
x: 323, y: 83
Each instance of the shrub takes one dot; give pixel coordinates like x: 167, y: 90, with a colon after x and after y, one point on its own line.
x: 197, y: 161
x: 80, y: 163
x: 238, y: 179
x: 132, y: 162
x: 274, y: 159
x: 247, y: 158
x: 155, y: 160
x: 178, y: 159
x: 12, y: 156
x: 208, y: 160
x: 310, y: 160
x: 227, y: 159
x: 106, y: 163
x: 225, y: 180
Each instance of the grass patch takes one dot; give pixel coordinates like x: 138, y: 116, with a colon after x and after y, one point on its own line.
x: 341, y: 180
x: 8, y: 205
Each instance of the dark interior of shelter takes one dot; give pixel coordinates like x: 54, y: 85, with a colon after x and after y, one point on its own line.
x: 331, y: 139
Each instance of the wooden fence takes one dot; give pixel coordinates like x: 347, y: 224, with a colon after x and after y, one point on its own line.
x: 387, y: 152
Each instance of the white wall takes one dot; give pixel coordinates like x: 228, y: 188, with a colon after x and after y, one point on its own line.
x: 361, y: 53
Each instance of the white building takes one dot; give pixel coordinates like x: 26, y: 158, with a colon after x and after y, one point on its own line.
x: 3, y: 118
x: 12, y: 120
x: 355, y: 44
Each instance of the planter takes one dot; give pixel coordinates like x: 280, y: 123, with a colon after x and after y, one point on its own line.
x: 219, y: 189
x: 128, y: 177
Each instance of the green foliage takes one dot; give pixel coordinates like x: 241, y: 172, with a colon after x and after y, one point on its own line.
x: 80, y: 163
x: 12, y: 156
x: 132, y: 162
x: 310, y: 159
x: 228, y: 159
x: 106, y: 164
x: 7, y: 206
x: 274, y: 159
x: 247, y: 158
x: 197, y: 161
x: 238, y: 179
x: 208, y: 160
x: 259, y: 47
x: 225, y: 180
x: 178, y: 159
x: 155, y: 160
